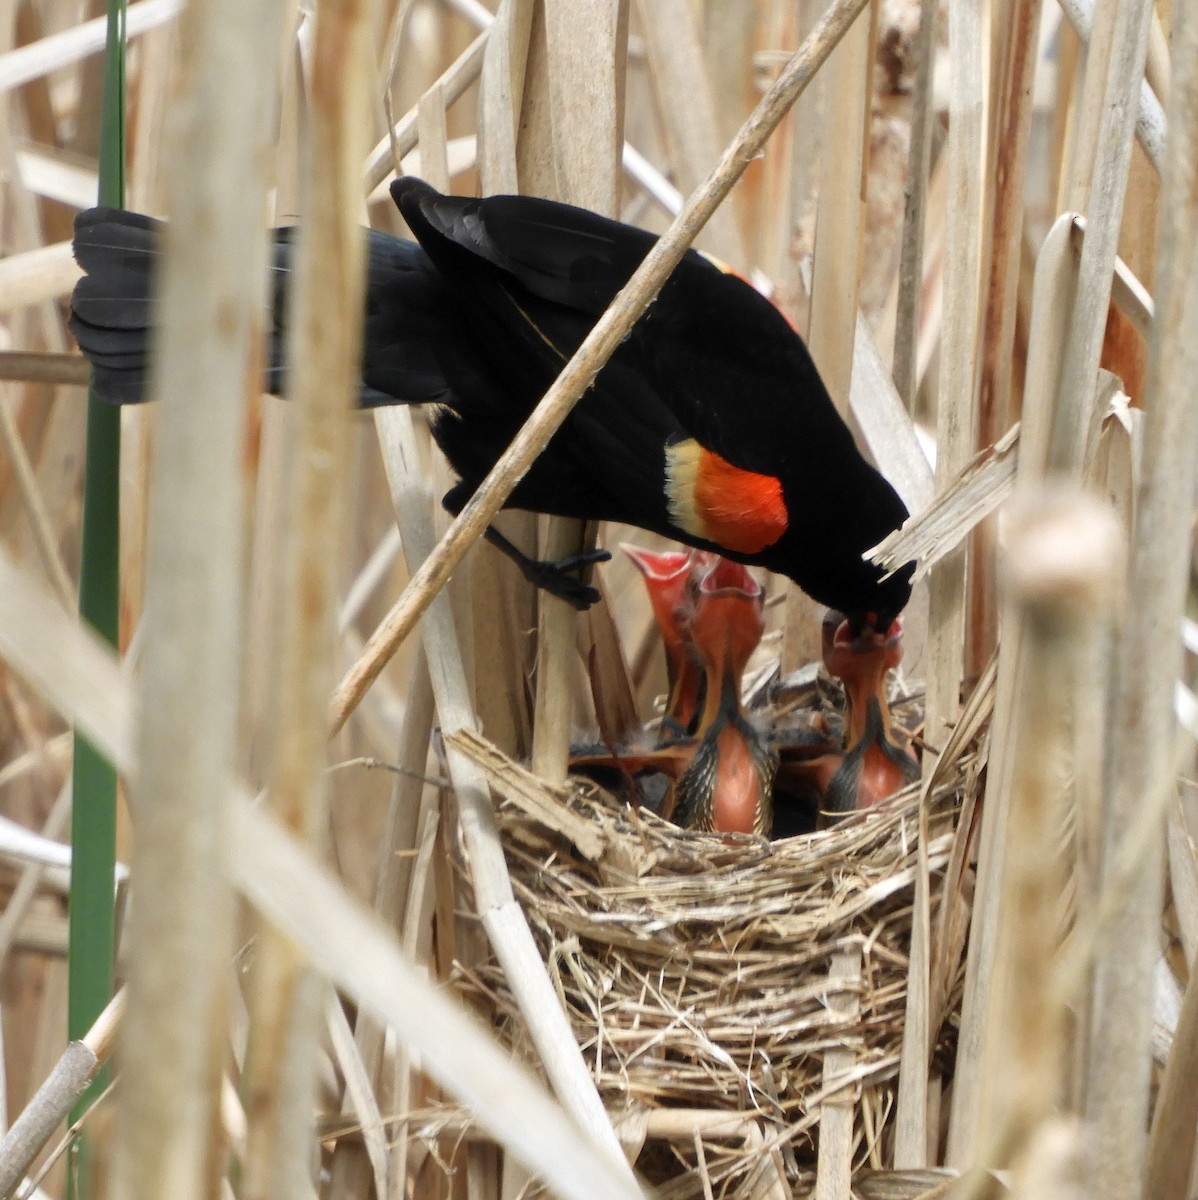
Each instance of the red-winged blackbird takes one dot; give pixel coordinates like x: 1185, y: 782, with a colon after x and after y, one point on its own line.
x: 709, y: 425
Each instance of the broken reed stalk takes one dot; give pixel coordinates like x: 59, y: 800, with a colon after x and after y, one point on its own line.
x: 1142, y: 764
x: 81, y: 678
x: 211, y: 293
x: 594, y: 352
x: 325, y: 351
x: 55, y: 1098
x: 1063, y: 571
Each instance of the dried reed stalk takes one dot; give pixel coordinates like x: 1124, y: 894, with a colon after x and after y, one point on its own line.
x: 35, y: 506
x: 1142, y: 763
x: 690, y: 115
x: 836, y: 267
x: 579, y: 81
x: 36, y: 276
x: 41, y: 367
x: 1063, y: 568
x: 956, y: 418
x: 910, y: 276
x: 325, y: 357
x: 352, y: 1169
x: 504, y: 604
x: 60, y: 50
x: 599, y: 345
x: 834, y: 1172
x: 1018, y: 44
x: 1150, y: 118
x: 1170, y: 1162
x: 1053, y: 292
x: 181, y: 930
x: 1102, y: 200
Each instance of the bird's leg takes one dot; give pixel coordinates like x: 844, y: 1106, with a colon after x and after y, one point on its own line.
x: 552, y: 577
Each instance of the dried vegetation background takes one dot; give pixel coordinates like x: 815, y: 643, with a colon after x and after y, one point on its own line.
x: 985, y: 987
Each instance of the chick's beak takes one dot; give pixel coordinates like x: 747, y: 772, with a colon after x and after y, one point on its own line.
x: 727, y: 625
x: 669, y: 580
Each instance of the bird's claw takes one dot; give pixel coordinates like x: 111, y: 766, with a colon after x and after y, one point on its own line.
x: 554, y: 577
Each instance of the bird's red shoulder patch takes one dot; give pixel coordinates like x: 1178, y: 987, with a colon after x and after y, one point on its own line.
x: 710, y: 498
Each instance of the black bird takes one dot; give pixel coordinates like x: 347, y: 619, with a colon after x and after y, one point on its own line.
x: 709, y: 425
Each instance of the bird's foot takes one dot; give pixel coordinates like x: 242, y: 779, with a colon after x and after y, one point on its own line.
x: 553, y: 576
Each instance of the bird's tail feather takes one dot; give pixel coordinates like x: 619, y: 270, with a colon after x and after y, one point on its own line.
x: 114, y: 310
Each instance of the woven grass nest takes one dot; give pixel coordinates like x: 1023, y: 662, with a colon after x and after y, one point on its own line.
x: 696, y: 969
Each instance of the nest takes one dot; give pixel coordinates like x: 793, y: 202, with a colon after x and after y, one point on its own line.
x: 699, y: 974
